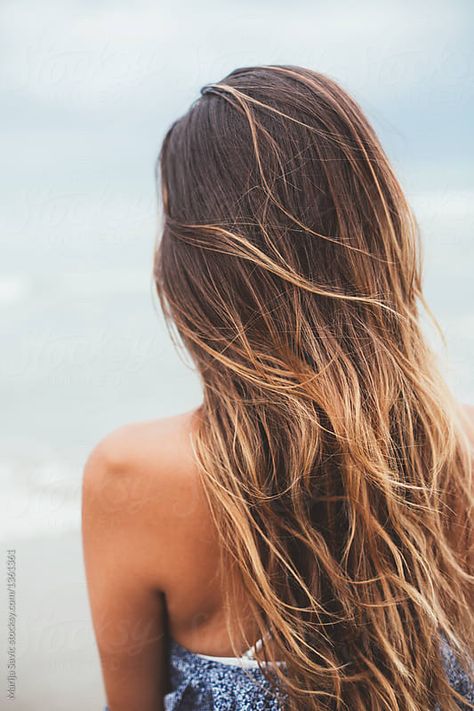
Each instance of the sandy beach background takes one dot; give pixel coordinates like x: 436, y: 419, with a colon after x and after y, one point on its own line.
x: 87, y: 91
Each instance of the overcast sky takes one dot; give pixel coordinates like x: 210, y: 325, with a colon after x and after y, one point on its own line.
x: 87, y: 90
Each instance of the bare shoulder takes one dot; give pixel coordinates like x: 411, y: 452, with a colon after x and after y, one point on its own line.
x: 141, y: 490
x: 142, y: 458
x: 139, y: 443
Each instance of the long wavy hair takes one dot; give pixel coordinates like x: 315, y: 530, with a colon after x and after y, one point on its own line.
x: 333, y: 456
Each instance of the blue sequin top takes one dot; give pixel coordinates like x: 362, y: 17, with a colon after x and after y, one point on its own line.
x: 201, y: 684
x: 209, y: 685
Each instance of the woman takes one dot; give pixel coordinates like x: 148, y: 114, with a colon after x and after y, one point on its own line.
x: 320, y: 499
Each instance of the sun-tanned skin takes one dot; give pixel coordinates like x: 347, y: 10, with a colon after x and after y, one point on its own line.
x: 151, y: 552
x: 150, y: 549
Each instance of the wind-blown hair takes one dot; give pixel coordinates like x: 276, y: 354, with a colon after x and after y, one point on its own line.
x: 334, y: 458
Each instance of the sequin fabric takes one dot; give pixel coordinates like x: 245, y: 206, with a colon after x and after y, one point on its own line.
x: 199, y: 684
x: 457, y: 677
x: 208, y: 685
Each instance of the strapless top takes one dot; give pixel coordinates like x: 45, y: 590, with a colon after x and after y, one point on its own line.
x: 203, y: 683
x: 207, y: 684
x: 200, y: 683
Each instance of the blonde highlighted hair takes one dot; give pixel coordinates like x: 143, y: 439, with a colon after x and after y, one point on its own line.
x: 332, y: 453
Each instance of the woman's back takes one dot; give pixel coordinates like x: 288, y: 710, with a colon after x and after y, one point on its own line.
x: 155, y: 490
x: 142, y: 485
x: 150, y: 470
